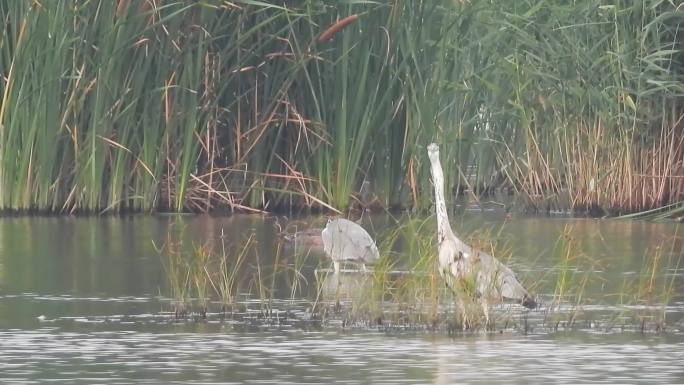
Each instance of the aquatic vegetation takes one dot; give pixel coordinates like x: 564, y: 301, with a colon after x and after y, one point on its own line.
x: 254, y: 106
x: 574, y: 271
x: 578, y: 283
x: 404, y: 291
x: 646, y: 297
x: 191, y: 272
x: 199, y: 276
x: 177, y: 273
x: 224, y: 278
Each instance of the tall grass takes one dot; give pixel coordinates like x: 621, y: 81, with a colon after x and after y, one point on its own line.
x: 183, y: 105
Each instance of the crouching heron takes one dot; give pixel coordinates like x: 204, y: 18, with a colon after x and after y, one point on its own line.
x: 346, y: 241
x: 459, y: 263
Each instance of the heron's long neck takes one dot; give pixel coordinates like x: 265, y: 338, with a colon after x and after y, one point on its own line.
x: 443, y: 226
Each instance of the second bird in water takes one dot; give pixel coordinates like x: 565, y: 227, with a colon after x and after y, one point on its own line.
x: 346, y: 241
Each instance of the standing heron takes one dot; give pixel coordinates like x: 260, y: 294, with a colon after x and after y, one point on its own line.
x: 344, y: 240
x: 459, y: 264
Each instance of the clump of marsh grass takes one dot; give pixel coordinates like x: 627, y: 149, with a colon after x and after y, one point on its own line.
x: 224, y: 279
x: 188, y: 273
x: 644, y: 298
x: 640, y: 304
x: 418, y: 290
x: 573, y: 272
x: 198, y: 273
x: 199, y: 276
x: 177, y: 273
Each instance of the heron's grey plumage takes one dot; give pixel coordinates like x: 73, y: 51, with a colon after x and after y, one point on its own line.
x: 346, y: 241
x: 458, y: 261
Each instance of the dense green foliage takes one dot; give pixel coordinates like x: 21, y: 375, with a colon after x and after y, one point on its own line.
x: 142, y: 105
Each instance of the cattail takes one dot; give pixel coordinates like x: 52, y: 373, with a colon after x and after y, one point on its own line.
x: 337, y: 27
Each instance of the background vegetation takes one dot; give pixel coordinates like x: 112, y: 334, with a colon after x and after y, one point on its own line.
x: 251, y: 105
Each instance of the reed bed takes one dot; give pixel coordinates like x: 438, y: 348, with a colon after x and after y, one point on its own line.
x: 256, y: 106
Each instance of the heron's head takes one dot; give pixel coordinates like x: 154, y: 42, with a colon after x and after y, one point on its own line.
x: 433, y: 152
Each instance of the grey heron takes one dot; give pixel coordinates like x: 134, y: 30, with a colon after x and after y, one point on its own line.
x: 344, y: 240
x: 459, y: 263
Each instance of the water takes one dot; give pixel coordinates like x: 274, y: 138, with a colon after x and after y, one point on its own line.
x: 88, y: 300
x: 210, y: 354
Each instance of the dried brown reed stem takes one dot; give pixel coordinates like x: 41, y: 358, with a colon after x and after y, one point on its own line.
x: 213, y: 189
x: 606, y: 173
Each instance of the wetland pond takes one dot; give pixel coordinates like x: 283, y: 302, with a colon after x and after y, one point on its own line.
x: 211, y: 299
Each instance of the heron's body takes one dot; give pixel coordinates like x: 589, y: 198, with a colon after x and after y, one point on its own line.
x: 346, y: 241
x: 461, y: 265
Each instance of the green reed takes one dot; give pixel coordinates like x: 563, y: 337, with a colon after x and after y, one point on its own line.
x: 123, y: 105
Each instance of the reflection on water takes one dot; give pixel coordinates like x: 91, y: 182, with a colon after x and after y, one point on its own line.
x: 86, y: 300
x: 345, y: 285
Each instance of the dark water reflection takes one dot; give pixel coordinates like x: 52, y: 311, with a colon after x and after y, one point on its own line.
x: 87, y: 300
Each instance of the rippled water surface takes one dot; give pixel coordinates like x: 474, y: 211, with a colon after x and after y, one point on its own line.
x: 88, y: 300
x: 211, y: 354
